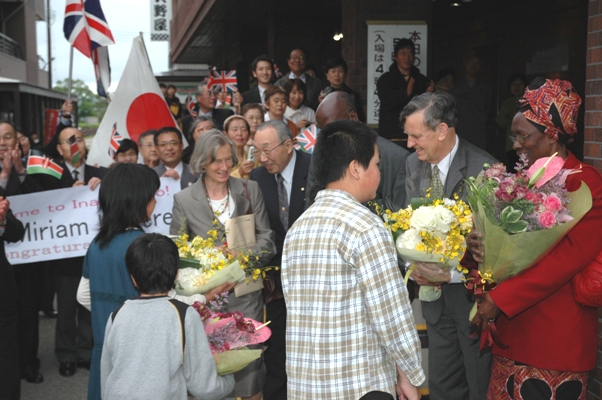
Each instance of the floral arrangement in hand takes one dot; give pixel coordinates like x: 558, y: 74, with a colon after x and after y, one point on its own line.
x: 203, y: 266
x: 433, y: 231
x: 521, y: 217
x: 229, y: 334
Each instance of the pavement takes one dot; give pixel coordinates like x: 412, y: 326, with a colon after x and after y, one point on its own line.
x: 55, y: 386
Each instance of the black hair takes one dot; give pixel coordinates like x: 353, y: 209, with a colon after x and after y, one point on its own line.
x: 340, y: 143
x: 150, y: 132
x: 291, y: 83
x: 515, y: 77
x: 262, y: 57
x: 162, y: 85
x: 442, y: 73
x: 152, y: 259
x: 404, y: 44
x: 171, y: 86
x: 167, y: 129
x: 124, y: 195
x: 127, y: 144
x: 3, y: 121
x: 335, y: 62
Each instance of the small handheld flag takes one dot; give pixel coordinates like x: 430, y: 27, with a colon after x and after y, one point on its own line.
x: 307, y: 138
x: 38, y: 163
x: 225, y: 79
x: 190, y: 106
x: 115, y: 142
x: 74, y: 148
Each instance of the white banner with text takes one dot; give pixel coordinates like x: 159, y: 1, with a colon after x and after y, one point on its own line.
x: 62, y: 223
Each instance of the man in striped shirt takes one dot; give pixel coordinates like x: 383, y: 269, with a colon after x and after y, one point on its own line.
x: 350, y: 332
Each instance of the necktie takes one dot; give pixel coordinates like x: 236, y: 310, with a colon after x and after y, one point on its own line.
x: 282, y: 202
x: 436, y: 185
x: 75, y: 174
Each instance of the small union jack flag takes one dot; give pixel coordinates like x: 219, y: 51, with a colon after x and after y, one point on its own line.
x: 85, y: 26
x: 190, y: 106
x: 307, y: 138
x: 116, y: 139
x: 225, y: 80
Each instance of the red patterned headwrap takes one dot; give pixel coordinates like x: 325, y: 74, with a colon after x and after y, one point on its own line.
x: 552, y: 106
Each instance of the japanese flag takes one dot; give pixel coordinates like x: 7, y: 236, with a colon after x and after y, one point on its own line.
x: 137, y: 106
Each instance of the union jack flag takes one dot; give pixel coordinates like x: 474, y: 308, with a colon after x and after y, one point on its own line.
x: 85, y: 26
x: 225, y: 79
x: 116, y: 139
x: 190, y: 106
x: 307, y: 138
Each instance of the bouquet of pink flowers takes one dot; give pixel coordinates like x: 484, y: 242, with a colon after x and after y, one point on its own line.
x: 522, y: 216
x: 229, y: 334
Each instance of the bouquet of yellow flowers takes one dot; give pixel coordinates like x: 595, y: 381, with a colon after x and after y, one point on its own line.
x: 203, y: 266
x: 430, y: 230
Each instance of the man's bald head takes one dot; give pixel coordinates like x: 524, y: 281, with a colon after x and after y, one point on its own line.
x: 336, y: 106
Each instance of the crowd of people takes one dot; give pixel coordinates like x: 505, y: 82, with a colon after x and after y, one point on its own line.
x: 341, y: 320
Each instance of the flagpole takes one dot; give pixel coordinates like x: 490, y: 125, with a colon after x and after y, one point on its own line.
x: 70, y: 75
x: 146, y: 52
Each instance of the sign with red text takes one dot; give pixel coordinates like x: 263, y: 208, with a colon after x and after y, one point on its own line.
x: 62, y: 223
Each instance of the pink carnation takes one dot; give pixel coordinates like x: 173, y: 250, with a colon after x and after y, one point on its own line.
x: 547, y: 219
x: 552, y: 203
x: 496, y: 171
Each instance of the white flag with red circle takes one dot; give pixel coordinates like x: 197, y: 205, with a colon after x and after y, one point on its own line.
x: 137, y: 106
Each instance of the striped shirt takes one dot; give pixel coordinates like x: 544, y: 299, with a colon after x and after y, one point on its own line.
x: 348, y: 314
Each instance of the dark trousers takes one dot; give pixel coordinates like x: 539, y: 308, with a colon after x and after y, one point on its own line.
x: 10, y: 377
x: 28, y: 277
x: 73, y: 341
x: 275, y: 354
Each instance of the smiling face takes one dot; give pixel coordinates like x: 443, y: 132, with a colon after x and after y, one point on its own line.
x: 276, y: 106
x: 238, y: 132
x: 218, y: 171
x: 295, y: 98
x: 170, y: 149
x: 296, y: 61
x: 427, y: 143
x: 280, y: 155
x: 207, y: 100
x: 263, y: 73
x: 537, y: 144
x: 336, y: 77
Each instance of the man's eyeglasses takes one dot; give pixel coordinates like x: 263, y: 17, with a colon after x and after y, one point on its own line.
x: 520, y: 138
x: 164, y: 145
x: 258, y: 153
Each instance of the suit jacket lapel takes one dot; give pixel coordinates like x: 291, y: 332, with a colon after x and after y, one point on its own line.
x: 239, y: 196
x: 455, y: 175
x: 198, y: 193
x: 297, y: 195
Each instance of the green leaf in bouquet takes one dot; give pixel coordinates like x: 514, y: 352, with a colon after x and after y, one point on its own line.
x: 189, y: 263
x: 233, y: 361
x: 517, y: 227
x: 510, y: 215
x: 418, y: 202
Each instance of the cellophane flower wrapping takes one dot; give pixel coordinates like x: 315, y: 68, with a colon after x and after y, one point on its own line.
x: 522, y: 222
x: 229, y: 334
x: 204, y: 266
x: 432, y: 231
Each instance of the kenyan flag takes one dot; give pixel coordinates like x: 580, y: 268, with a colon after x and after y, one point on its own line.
x: 38, y: 163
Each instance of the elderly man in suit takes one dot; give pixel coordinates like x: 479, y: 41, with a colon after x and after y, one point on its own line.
x: 206, y: 101
x: 13, y: 175
x: 340, y: 105
x: 168, y: 141
x: 442, y: 162
x: 11, y: 230
x: 73, y: 343
x: 297, y: 63
x: 282, y: 178
x: 263, y: 70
